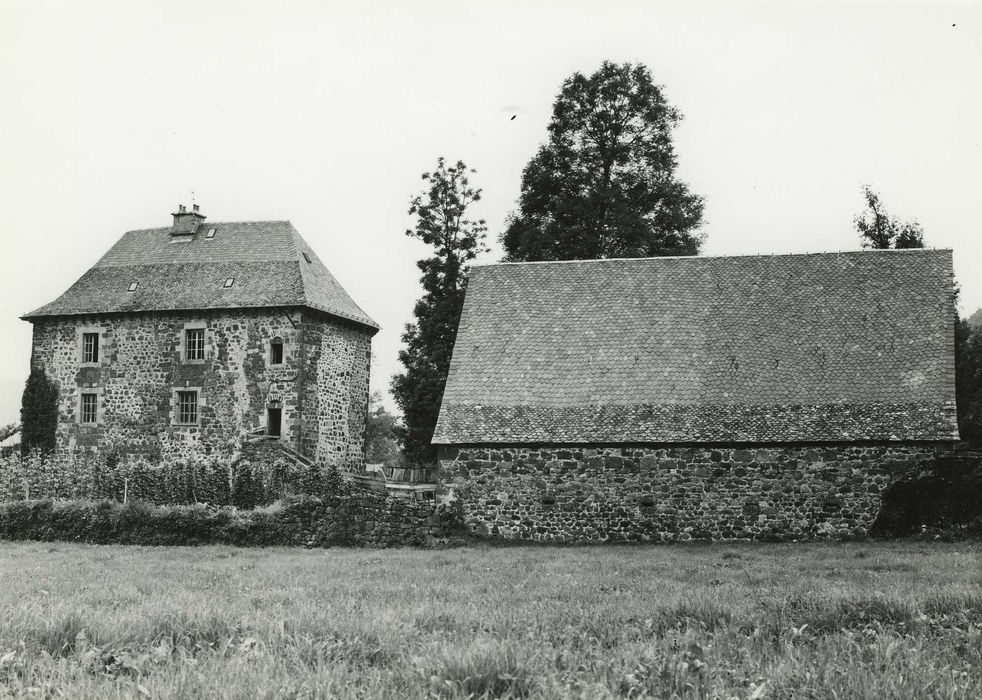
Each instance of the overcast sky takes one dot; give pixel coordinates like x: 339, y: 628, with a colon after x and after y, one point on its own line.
x: 111, y: 113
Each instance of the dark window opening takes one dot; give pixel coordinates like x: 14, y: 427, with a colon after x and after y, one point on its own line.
x: 194, y: 344
x: 276, y: 352
x: 273, y: 416
x: 89, y: 409
x: 187, y: 407
x: 90, y: 347
x: 305, y: 256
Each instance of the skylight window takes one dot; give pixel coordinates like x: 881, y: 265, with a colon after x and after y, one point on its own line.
x: 133, y: 286
x: 229, y: 282
x: 305, y: 256
x: 210, y: 234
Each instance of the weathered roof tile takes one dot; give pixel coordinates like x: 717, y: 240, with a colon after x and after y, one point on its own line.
x: 828, y: 347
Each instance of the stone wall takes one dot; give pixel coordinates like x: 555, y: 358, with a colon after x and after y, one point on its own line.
x: 358, y: 519
x: 600, y: 494
x: 321, y: 387
x: 337, y: 364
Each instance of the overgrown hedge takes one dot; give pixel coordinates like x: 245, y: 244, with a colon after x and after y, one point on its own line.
x: 260, y: 477
x: 352, y: 519
x: 944, y: 496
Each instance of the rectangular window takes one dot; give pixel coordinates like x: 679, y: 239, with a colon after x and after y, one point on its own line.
x: 194, y: 344
x: 276, y: 353
x: 187, y: 407
x: 87, y: 414
x: 90, y: 347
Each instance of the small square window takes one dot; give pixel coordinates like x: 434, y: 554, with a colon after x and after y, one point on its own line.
x: 90, y: 347
x: 89, y: 409
x: 210, y: 234
x: 229, y: 282
x: 194, y: 344
x: 133, y: 286
x: 305, y: 256
x: 276, y: 352
x: 187, y: 407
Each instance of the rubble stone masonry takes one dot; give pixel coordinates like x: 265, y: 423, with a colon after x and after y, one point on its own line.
x: 321, y: 387
x: 615, y: 493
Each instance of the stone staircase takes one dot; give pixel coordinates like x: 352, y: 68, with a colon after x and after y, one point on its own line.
x: 372, y: 482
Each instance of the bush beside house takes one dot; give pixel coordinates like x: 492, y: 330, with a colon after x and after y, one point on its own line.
x: 258, y: 478
x: 261, y: 499
x: 360, y: 519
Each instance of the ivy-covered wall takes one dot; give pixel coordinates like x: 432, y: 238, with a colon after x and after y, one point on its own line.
x: 321, y: 387
x: 624, y: 493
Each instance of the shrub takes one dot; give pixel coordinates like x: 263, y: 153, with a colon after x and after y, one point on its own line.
x: 359, y: 519
x: 38, y: 413
x: 261, y: 479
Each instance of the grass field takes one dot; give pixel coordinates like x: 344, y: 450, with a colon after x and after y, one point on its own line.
x: 776, y: 621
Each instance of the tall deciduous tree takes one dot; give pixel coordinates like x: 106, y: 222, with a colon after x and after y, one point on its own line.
x: 441, y: 222
x: 877, y: 229
x: 38, y: 413
x: 604, y: 184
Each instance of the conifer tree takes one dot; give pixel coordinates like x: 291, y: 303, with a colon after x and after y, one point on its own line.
x: 38, y: 413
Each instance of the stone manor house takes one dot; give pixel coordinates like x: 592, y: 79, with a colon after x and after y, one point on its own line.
x: 711, y: 397
x: 192, y: 337
x: 640, y: 399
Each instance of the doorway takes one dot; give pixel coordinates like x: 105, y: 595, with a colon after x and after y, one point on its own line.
x: 273, y: 422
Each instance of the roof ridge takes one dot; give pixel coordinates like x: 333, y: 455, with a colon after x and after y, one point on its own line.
x: 862, y: 251
x: 206, y: 224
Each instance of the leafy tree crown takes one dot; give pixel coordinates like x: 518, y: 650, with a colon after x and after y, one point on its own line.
x: 879, y: 230
x: 604, y: 184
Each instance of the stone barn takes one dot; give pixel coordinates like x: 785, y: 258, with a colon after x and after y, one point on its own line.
x: 193, y: 337
x: 697, y: 398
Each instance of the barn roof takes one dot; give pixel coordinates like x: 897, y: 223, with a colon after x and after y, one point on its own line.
x: 269, y: 262
x: 786, y: 348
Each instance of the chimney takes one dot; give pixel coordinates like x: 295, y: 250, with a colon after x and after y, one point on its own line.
x: 186, y: 222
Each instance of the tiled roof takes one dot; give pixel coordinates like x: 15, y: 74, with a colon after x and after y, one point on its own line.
x: 820, y: 347
x: 265, y: 258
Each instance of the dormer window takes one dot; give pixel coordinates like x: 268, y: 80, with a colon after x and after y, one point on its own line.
x: 133, y: 286
x: 229, y: 282
x: 276, y: 351
x: 210, y: 234
x: 305, y: 256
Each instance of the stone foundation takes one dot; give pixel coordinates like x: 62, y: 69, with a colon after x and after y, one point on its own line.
x: 603, y: 494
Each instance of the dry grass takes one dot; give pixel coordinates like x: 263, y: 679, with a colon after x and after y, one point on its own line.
x: 777, y: 621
